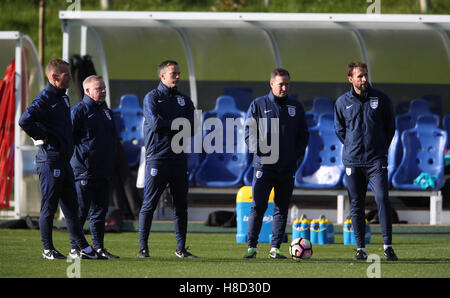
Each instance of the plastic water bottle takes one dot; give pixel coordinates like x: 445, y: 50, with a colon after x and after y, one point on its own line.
x: 330, y: 232
x: 305, y: 228
x: 314, y: 231
x: 296, y: 229
x: 322, y: 233
x: 347, y: 231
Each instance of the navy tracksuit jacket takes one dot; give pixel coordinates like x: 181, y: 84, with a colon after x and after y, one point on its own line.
x: 93, y: 163
x: 161, y: 106
x: 366, y: 126
x: 293, y: 138
x: 48, y: 118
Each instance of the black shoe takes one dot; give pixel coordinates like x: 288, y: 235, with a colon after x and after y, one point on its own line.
x: 184, y: 254
x: 251, y: 253
x: 390, y: 254
x: 276, y: 254
x: 103, y: 252
x: 53, y: 254
x: 75, y: 253
x: 143, y: 253
x: 360, y: 255
x: 93, y: 255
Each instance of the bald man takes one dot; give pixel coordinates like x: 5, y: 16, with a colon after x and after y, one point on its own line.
x: 47, y: 120
x: 93, y: 161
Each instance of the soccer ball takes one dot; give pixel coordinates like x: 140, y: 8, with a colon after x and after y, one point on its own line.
x: 300, y: 248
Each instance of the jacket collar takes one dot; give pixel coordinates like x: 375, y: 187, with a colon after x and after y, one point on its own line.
x: 275, y: 99
x: 90, y: 102
x: 166, y: 90
x: 357, y: 96
x: 52, y: 89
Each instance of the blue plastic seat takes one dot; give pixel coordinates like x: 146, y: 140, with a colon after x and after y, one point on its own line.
x: 225, y: 169
x: 423, y: 152
x: 321, y: 105
x: 446, y: 124
x: 322, y: 166
x: 224, y: 104
x: 242, y: 97
x: 193, y: 163
x: 435, y: 103
x: 405, y: 121
x: 128, y: 119
x: 248, y: 175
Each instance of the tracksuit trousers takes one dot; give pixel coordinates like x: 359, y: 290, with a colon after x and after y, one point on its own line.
x: 263, y: 181
x: 93, y: 199
x: 157, y: 177
x: 57, y: 186
x: 357, y: 179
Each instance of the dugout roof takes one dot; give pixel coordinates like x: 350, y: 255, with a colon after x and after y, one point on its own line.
x: 411, y: 49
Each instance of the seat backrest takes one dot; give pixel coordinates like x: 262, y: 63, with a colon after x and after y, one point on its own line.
x: 242, y: 96
x: 428, y: 119
x: 324, y: 150
x: 393, y: 160
x: 446, y: 124
x: 227, y: 104
x: 423, y: 151
x: 419, y: 106
x: 321, y: 105
x: 230, y: 165
x: 132, y: 117
x: 128, y: 119
x: 435, y: 103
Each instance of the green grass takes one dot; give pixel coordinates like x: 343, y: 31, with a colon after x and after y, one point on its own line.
x: 219, y: 257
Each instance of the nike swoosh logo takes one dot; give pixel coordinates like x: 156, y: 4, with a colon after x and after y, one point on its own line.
x: 89, y: 116
x: 161, y: 101
x: 348, y: 107
x: 267, y: 111
x: 54, y: 105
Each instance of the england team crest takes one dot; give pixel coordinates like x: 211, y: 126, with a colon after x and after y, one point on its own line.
x: 348, y: 171
x: 154, y: 172
x: 291, y: 111
x: 107, y: 115
x: 374, y: 102
x: 180, y: 101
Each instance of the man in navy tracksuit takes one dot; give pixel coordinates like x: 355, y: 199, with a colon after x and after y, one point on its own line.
x: 364, y: 123
x: 93, y: 160
x: 278, y: 173
x: 162, y: 165
x: 47, y: 121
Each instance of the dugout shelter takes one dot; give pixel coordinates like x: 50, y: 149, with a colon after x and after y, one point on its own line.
x: 408, y: 55
x: 29, y: 81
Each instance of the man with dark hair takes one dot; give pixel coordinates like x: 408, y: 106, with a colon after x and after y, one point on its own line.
x: 93, y: 160
x: 287, y: 116
x: 47, y: 120
x: 364, y: 123
x: 162, y: 165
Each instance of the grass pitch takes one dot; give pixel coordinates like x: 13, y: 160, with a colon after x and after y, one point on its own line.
x: 220, y: 257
